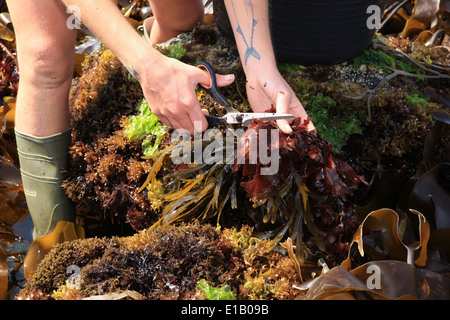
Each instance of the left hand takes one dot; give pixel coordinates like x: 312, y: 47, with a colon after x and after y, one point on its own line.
x: 269, y: 89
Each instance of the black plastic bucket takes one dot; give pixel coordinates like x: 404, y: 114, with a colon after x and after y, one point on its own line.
x: 320, y: 31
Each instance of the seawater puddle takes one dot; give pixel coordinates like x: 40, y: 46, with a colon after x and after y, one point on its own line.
x: 15, y: 229
x: 16, y: 252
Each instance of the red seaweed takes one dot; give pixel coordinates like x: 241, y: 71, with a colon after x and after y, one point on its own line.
x: 9, y: 71
x: 324, y: 183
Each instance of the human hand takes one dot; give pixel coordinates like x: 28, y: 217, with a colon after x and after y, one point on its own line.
x: 267, y: 89
x: 169, y: 87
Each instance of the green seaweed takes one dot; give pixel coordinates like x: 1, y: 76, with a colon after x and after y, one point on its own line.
x: 417, y: 98
x: 213, y: 293
x: 380, y: 59
x: 410, y: 68
x: 335, y: 133
x: 176, y: 51
x: 286, y: 67
x: 375, y: 58
x: 146, y: 126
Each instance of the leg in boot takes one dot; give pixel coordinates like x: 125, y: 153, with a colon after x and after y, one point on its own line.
x: 41, y: 163
x: 45, y: 47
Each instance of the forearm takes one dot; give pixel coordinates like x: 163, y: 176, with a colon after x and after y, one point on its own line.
x: 265, y: 86
x: 250, y: 22
x: 104, y: 19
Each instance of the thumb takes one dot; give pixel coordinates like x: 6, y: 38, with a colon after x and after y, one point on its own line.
x: 224, y: 80
x: 203, y: 78
x: 282, y: 106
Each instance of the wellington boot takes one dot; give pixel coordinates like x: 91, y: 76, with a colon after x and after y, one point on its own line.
x: 41, y: 161
x: 64, y: 231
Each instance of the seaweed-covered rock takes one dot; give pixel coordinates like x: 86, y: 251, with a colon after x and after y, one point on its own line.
x: 166, y: 263
x: 52, y: 272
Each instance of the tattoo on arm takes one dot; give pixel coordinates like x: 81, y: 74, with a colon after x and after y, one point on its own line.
x: 134, y: 73
x: 248, y: 39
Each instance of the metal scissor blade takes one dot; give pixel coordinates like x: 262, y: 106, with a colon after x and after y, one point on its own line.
x: 247, y: 118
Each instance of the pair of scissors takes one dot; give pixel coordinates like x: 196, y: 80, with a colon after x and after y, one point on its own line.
x: 232, y: 116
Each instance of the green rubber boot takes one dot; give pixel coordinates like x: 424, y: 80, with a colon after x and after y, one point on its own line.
x: 41, y: 161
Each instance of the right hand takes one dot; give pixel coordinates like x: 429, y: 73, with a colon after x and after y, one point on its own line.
x: 169, y: 87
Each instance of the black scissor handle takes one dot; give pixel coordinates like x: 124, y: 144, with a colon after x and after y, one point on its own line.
x: 214, y: 122
x: 213, y: 89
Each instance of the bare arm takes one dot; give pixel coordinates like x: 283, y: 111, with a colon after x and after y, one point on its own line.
x: 103, y: 18
x: 265, y: 85
x: 168, y: 84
